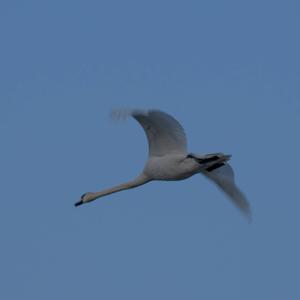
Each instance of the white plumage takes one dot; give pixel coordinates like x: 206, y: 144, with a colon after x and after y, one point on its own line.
x: 165, y: 134
x: 169, y: 159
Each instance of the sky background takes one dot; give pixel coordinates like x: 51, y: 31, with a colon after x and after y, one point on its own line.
x: 229, y: 71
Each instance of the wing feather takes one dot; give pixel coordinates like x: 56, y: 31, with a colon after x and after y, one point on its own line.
x: 223, y: 177
x: 164, y: 133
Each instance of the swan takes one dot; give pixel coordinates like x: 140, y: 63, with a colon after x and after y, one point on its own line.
x: 169, y: 159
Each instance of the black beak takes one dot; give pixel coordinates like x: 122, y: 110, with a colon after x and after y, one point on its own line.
x: 78, y: 203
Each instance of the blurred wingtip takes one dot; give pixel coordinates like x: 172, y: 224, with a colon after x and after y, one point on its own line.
x: 124, y: 113
x: 247, y: 213
x: 120, y: 113
x: 249, y: 217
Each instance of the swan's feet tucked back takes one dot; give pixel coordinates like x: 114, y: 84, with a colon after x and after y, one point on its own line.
x: 213, y: 160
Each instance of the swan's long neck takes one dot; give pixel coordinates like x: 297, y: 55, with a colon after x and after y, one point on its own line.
x: 142, y: 179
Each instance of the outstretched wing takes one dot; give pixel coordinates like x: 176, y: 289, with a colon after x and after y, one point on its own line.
x: 164, y: 133
x: 223, y: 177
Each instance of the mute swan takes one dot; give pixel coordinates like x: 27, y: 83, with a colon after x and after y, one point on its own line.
x: 169, y: 159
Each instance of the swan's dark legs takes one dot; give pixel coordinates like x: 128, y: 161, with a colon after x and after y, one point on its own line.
x: 210, y: 158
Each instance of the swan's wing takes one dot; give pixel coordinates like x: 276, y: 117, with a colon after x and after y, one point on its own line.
x: 165, y: 134
x: 223, y: 177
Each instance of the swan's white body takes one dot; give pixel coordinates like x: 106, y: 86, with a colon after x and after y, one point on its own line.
x: 170, y: 167
x: 169, y: 159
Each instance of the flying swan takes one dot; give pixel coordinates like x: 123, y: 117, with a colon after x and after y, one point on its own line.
x: 169, y: 159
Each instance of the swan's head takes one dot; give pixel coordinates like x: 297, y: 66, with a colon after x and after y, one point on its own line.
x: 87, y: 197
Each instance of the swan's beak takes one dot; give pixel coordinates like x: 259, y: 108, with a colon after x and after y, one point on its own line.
x: 78, y: 203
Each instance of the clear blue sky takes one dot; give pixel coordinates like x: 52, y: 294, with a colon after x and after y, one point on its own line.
x: 227, y: 70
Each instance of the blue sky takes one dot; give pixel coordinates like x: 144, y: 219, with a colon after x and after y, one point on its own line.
x: 227, y: 70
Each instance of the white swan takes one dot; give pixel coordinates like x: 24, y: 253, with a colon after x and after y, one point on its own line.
x: 169, y: 159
